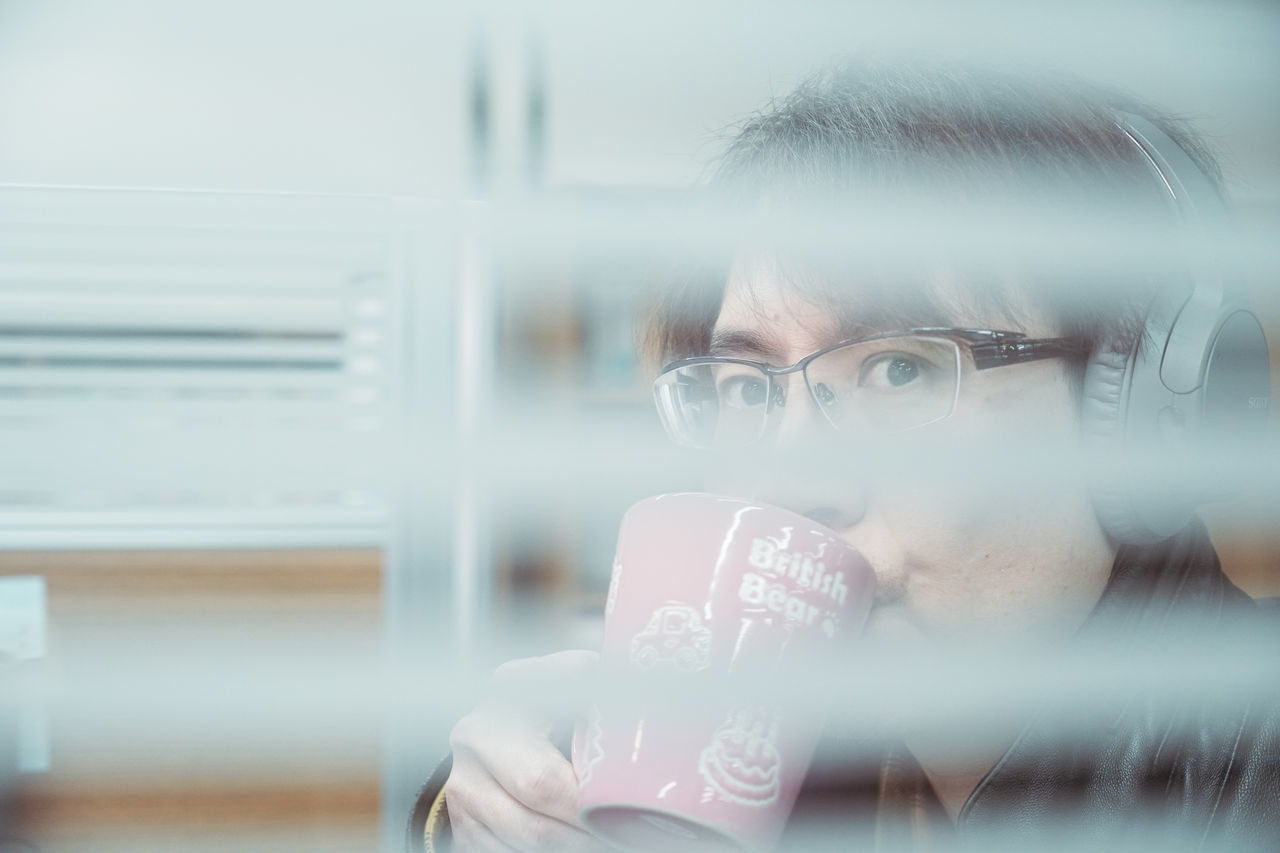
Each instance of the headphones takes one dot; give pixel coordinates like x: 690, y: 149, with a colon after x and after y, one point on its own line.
x: 1195, y: 387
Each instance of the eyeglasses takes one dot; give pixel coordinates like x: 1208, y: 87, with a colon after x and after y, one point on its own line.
x: 884, y: 383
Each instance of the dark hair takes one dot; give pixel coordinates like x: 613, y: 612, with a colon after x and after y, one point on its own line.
x: 856, y: 135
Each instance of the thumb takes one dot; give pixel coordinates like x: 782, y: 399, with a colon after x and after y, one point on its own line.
x: 554, y: 687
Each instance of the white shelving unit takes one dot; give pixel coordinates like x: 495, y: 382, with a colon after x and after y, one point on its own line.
x: 183, y: 369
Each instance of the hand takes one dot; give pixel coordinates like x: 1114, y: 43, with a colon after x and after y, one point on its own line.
x: 510, y: 787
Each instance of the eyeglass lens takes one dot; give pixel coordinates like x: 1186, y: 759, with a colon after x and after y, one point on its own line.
x: 886, y: 384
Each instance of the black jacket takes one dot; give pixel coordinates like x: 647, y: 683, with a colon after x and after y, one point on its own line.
x: 1156, y: 771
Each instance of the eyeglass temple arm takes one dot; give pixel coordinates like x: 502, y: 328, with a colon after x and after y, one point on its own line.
x: 1011, y: 350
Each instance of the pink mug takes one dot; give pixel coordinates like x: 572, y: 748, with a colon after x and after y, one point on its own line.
x: 707, y: 587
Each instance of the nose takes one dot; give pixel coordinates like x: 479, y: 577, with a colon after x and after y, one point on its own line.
x: 803, y: 465
x: 823, y: 486
x: 794, y: 419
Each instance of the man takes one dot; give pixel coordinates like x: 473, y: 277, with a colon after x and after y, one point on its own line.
x: 924, y: 323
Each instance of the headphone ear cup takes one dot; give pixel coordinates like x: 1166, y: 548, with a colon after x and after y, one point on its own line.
x: 1104, y: 382
x: 1102, y: 425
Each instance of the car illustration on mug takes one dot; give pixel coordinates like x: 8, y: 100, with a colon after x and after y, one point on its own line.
x: 676, y: 636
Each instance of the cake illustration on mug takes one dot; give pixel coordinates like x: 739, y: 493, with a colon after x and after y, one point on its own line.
x: 675, y: 636
x: 741, y: 764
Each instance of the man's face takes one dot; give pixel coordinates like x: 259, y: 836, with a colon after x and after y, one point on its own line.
x: 955, y: 553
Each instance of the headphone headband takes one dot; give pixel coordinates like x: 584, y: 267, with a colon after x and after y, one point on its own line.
x: 1194, y: 195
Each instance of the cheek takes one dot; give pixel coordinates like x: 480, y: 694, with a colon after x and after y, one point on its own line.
x: 1031, y: 404
x: 923, y: 548
x: 958, y: 564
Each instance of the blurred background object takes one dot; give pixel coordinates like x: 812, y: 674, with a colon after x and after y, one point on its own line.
x: 318, y: 330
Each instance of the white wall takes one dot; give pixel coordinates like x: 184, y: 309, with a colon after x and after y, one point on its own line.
x: 371, y: 96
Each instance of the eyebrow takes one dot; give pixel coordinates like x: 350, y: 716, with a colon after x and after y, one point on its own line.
x: 872, y: 322
x: 729, y: 342
x: 869, y: 322
x: 877, y: 320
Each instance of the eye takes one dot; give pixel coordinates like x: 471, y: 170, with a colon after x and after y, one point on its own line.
x: 890, y: 370
x: 742, y: 391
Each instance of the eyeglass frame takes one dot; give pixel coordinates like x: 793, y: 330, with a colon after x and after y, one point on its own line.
x: 989, y: 348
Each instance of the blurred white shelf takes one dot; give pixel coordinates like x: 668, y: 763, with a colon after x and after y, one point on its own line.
x: 203, y: 369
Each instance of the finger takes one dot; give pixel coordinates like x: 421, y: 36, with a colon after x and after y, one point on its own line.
x: 472, y: 836
x: 475, y: 798
x: 504, y: 756
x: 533, y: 772
x: 528, y: 831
